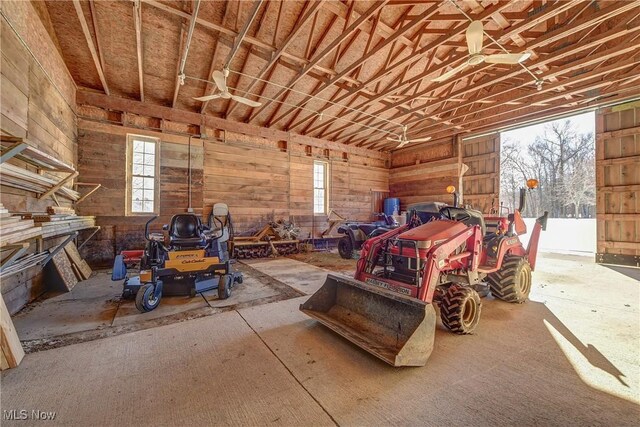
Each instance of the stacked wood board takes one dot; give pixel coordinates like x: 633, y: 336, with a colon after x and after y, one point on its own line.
x: 14, y: 229
x: 61, y: 223
x: 17, y: 177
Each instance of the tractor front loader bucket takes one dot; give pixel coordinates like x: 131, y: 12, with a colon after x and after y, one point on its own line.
x: 393, y: 327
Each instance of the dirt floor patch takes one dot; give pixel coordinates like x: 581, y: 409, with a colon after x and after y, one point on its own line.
x: 328, y: 260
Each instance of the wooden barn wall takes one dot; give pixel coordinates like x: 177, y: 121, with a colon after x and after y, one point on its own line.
x: 481, y: 182
x: 618, y: 184
x: 423, y: 173
x: 261, y: 179
x: 265, y: 180
x: 102, y: 154
x: 37, y: 103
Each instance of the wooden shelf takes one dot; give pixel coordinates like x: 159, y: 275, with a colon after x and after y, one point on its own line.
x: 43, y: 186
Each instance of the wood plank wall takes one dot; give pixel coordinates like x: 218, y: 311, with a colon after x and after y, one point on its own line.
x: 618, y: 184
x: 263, y: 180
x: 423, y: 173
x: 481, y: 183
x: 259, y: 178
x: 37, y: 102
x: 102, y: 153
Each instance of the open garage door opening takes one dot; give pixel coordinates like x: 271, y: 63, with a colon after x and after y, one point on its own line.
x: 560, y: 154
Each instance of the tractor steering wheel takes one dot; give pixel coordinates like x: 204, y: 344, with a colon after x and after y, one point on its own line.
x: 460, y: 216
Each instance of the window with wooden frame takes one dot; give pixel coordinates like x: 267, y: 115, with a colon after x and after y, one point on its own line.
x: 320, y: 188
x: 143, y: 166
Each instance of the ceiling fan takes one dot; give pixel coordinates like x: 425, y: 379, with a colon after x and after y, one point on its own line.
x: 474, y: 35
x: 220, y: 79
x: 403, y: 140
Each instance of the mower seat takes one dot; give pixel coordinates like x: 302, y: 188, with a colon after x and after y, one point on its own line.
x: 185, y: 232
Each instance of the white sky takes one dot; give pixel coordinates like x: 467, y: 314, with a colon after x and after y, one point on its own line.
x: 583, y: 123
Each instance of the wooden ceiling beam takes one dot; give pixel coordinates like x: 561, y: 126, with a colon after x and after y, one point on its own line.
x: 212, y: 65
x: 275, y: 56
x: 373, y: 9
x: 267, y: 48
x: 92, y: 47
x: 137, y: 18
x: 535, y: 114
x: 550, y: 37
x: 408, y: 60
x: 549, y: 94
x: 419, y: 19
x: 96, y: 31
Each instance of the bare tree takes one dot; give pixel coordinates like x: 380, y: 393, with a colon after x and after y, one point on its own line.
x: 561, y: 159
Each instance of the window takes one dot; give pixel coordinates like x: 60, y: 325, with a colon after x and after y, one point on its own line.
x: 142, y: 188
x: 320, y: 195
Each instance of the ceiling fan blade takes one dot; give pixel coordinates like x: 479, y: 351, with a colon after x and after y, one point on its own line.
x: 393, y: 138
x: 220, y: 80
x: 421, y: 139
x: 246, y: 101
x: 474, y: 35
x: 208, y: 97
x: 451, y: 72
x: 402, y: 144
x: 507, y: 58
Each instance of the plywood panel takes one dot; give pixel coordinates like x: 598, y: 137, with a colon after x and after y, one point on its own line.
x: 618, y: 184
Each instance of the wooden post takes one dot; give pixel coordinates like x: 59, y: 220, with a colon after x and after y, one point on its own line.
x: 12, y: 352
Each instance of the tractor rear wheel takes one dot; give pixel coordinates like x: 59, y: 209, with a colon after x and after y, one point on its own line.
x: 512, y: 283
x: 460, y: 309
x: 345, y: 247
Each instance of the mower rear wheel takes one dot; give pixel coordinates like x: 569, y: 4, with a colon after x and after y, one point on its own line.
x: 512, y: 283
x: 460, y: 309
x: 146, y: 299
x: 345, y: 247
x: 224, y: 286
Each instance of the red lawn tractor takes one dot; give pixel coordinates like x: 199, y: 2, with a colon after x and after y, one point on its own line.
x: 388, y: 309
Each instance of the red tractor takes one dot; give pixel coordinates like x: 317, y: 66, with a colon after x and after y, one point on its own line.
x: 389, y: 308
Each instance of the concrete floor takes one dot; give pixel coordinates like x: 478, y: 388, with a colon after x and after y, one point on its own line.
x: 568, y: 356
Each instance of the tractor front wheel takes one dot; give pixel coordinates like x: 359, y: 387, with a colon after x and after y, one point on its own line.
x: 460, y: 309
x: 345, y: 247
x: 512, y: 283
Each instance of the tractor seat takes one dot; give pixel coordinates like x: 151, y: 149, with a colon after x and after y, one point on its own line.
x: 185, y: 232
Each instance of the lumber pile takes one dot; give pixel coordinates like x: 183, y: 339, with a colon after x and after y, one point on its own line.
x: 23, y: 264
x: 60, y: 220
x: 14, y: 229
x: 17, y: 177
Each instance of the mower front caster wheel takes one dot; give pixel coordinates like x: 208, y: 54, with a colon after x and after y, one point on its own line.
x: 146, y: 299
x: 224, y: 286
x: 460, y: 309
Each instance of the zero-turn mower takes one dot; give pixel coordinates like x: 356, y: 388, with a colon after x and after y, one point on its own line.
x: 388, y: 309
x: 195, y: 260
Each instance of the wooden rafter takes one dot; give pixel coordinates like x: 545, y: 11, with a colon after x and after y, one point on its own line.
x: 545, y: 98
x: 96, y: 31
x: 373, y: 9
x: 412, y: 24
x: 558, y: 34
x: 406, y: 61
x: 310, y: 11
x: 92, y: 47
x: 137, y: 18
x: 207, y: 87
